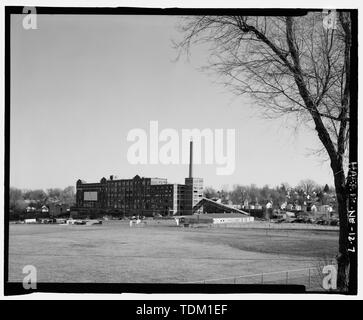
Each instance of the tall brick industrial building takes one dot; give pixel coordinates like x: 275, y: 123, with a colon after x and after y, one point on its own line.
x: 140, y: 196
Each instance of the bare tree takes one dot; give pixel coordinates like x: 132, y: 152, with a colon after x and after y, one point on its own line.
x: 15, y: 195
x: 289, y: 65
x: 210, y: 192
x: 307, y: 186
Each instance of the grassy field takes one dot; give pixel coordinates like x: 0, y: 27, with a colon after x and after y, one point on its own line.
x: 162, y: 253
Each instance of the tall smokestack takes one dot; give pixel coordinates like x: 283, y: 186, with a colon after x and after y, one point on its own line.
x: 191, y: 159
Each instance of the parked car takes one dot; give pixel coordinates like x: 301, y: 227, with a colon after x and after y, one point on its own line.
x: 308, y: 220
x: 322, y: 222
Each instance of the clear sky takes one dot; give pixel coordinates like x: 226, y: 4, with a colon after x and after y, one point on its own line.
x: 80, y: 83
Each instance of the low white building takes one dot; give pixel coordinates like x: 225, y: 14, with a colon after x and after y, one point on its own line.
x: 30, y: 209
x: 325, y: 208
x: 230, y: 218
x: 30, y: 220
x: 214, y: 218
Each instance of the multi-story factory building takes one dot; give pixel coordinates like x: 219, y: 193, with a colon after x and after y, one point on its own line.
x: 140, y: 196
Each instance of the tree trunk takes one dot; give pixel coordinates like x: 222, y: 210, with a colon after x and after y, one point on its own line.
x: 343, y: 257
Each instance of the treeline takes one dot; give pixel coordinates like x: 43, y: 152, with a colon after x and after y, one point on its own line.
x: 20, y: 199
x: 305, y: 191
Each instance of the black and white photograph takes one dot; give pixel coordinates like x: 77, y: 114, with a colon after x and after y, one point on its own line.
x: 180, y: 150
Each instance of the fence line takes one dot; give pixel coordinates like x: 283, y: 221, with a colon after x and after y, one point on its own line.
x: 310, y: 277
x: 250, y: 275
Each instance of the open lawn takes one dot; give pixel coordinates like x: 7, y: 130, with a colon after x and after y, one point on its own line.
x: 161, y: 252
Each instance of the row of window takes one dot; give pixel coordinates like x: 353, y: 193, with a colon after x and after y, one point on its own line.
x: 144, y: 182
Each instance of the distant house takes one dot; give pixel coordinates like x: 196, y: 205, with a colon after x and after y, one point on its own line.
x: 30, y: 209
x: 325, y: 208
x: 297, y: 207
x: 45, y: 209
x: 283, y: 206
x: 269, y: 205
x: 313, y: 208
